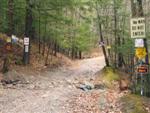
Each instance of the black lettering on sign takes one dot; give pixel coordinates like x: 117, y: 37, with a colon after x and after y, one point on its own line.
x: 133, y: 27
x: 142, y: 33
x: 134, y: 33
x: 134, y: 22
x: 140, y: 27
x: 141, y: 21
x: 138, y: 33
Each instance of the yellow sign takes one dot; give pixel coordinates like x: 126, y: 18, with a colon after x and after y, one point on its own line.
x: 140, y: 52
x: 8, y: 40
x: 108, y: 47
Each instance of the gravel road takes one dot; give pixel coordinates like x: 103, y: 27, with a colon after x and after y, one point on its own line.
x: 48, y: 91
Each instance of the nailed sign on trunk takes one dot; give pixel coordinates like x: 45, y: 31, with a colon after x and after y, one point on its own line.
x: 138, y: 28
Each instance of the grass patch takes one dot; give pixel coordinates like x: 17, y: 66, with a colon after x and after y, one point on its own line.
x: 132, y: 104
x: 108, y: 75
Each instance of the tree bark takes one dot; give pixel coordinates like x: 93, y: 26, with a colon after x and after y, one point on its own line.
x: 10, y: 17
x: 140, y: 13
x: 44, y: 38
x: 103, y: 47
x: 101, y: 37
x: 80, y: 54
x: 47, y: 56
x: 28, y: 30
x: 29, y: 19
x: 39, y: 31
x: 137, y: 11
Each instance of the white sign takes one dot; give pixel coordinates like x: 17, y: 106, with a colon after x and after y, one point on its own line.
x: 26, y: 41
x: 14, y: 39
x: 26, y: 49
x: 101, y: 44
x: 138, y: 28
x: 139, y: 43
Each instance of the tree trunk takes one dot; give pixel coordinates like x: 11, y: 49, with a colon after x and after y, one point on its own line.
x: 115, y: 32
x: 10, y: 17
x: 39, y: 31
x: 101, y: 37
x: 28, y: 30
x: 103, y: 47
x: 72, y: 52
x: 48, y: 52
x: 137, y: 11
x: 29, y: 19
x: 44, y: 38
x: 140, y: 13
x: 55, y: 48
x: 80, y: 54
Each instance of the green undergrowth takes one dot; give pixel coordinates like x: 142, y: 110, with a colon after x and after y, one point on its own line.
x: 109, y: 75
x: 132, y: 104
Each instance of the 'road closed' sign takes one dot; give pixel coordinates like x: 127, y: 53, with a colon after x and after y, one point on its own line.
x: 138, y: 28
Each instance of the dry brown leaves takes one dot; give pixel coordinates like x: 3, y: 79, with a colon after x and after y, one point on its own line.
x: 85, y: 102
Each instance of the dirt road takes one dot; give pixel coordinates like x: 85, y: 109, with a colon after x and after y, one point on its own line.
x: 49, y: 91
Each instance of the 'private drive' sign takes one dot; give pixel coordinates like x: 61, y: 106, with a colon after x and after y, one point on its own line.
x: 138, y: 28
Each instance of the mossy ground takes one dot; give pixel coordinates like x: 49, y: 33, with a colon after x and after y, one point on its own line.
x: 132, y: 104
x: 108, y: 75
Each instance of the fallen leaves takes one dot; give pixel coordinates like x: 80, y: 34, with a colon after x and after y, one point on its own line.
x: 85, y: 102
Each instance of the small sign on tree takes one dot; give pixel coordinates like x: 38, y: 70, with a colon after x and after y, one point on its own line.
x: 143, y: 69
x: 140, y: 53
x: 26, y: 50
x: 26, y: 41
x: 139, y: 43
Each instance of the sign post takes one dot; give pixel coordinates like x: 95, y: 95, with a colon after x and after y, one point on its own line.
x: 26, y: 50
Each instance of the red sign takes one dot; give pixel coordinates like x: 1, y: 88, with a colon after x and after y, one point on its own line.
x: 143, y: 69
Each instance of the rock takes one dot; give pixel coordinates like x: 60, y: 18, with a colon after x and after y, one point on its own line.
x: 7, y: 82
x: 83, y: 87
x: 10, y: 86
x: 86, y: 86
x: 124, y: 85
x: 31, y: 86
x: 99, y: 86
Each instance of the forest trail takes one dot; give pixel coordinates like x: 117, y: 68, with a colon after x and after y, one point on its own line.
x: 49, y: 91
